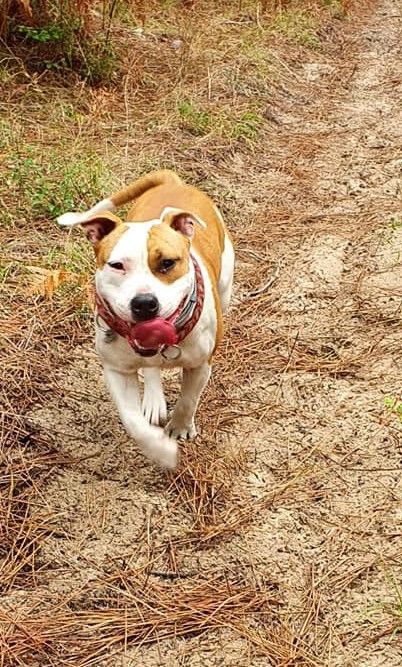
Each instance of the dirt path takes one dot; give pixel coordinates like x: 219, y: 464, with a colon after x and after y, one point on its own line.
x: 321, y: 462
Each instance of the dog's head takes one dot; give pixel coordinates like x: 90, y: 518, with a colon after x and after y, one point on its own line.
x: 143, y: 268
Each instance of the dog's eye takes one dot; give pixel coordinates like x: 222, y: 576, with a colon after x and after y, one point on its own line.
x: 166, y: 264
x: 118, y: 266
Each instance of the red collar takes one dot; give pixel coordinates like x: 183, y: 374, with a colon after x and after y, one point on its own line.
x: 183, y: 319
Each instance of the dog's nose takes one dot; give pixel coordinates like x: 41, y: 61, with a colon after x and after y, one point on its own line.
x: 144, y: 306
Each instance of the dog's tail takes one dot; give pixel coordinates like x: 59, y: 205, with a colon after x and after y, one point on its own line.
x: 121, y: 197
x: 138, y: 187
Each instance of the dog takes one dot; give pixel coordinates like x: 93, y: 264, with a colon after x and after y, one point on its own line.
x: 163, y: 283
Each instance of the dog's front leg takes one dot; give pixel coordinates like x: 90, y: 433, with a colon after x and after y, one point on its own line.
x: 194, y: 381
x: 153, y: 403
x: 152, y: 440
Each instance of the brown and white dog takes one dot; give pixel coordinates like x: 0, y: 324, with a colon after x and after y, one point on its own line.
x: 163, y: 281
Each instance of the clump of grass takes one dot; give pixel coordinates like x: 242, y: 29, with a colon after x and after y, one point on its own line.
x: 393, y: 404
x: 247, y: 126
x: 196, y: 121
x: 63, y: 36
x: 224, y: 122
x: 395, y: 222
x: 338, y: 8
x: 298, y: 25
x: 47, y: 185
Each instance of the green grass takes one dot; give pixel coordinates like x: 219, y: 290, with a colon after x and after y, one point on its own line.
x: 394, y: 608
x: 47, y: 184
x: 247, y: 126
x: 75, y: 256
x: 196, y: 121
x: 335, y: 8
x: 7, y: 135
x: 222, y: 122
x: 298, y: 25
x: 393, y: 404
x: 6, y: 271
x: 395, y: 222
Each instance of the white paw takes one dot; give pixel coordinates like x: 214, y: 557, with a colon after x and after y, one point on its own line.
x: 154, y: 408
x: 181, y: 431
x: 161, y: 449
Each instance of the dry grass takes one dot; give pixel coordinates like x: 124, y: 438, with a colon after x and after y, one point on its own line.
x: 204, y: 111
x: 133, y: 611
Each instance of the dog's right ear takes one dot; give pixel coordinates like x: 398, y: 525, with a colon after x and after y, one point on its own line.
x: 96, y: 226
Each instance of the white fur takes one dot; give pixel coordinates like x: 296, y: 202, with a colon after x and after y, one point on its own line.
x: 153, y: 403
x: 120, y: 288
x: 121, y: 363
x: 152, y: 440
x: 226, y: 278
x: 72, y: 219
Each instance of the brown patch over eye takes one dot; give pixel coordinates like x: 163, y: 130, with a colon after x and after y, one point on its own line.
x: 106, y: 245
x: 168, y: 253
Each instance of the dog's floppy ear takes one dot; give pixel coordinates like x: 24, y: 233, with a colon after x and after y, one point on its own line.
x: 181, y: 221
x: 95, y: 226
x: 100, y: 225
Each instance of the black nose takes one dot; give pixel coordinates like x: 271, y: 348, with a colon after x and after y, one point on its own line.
x: 144, y: 306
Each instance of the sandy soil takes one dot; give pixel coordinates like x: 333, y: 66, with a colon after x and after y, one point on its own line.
x: 330, y: 543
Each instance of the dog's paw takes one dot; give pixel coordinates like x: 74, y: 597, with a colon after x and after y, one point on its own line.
x: 161, y: 449
x: 181, y: 431
x: 154, y: 408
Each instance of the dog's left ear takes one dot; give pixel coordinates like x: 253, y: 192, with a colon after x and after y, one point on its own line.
x: 181, y: 221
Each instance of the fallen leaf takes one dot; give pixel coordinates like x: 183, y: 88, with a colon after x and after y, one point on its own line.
x: 46, y: 281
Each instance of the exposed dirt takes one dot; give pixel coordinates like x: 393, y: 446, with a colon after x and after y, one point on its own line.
x: 330, y: 538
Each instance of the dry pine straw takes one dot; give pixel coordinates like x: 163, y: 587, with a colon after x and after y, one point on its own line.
x: 133, y: 609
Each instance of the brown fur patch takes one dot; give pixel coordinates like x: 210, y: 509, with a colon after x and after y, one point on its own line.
x: 106, y: 245
x: 166, y: 243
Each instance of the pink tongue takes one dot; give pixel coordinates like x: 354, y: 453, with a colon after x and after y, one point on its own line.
x: 153, y: 333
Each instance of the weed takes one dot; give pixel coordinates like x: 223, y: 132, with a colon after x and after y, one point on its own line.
x: 393, y: 404
x: 395, y: 222
x: 65, y: 36
x: 99, y: 61
x: 336, y: 8
x: 6, y: 271
x: 394, y: 608
x: 253, y: 53
x: 50, y: 185
x: 6, y: 134
x: 75, y: 257
x: 223, y: 122
x: 195, y: 121
x: 247, y: 127
x: 49, y: 33
x: 297, y: 25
